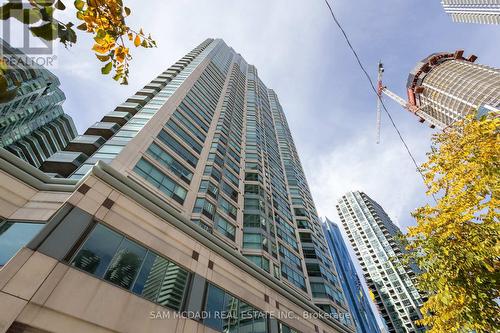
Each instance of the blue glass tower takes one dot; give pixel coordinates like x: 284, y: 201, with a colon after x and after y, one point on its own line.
x: 358, y: 302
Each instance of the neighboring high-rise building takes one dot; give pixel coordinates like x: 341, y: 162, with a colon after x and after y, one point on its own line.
x: 33, y: 125
x: 473, y: 11
x: 447, y: 86
x: 373, y: 237
x: 359, y: 303
x: 190, y: 196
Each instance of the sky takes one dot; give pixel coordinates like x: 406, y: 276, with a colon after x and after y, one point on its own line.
x: 300, y: 53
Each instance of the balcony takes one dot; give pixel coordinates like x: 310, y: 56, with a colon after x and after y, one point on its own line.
x: 146, y: 92
x: 86, y: 144
x: 154, y: 86
x: 104, y: 129
x: 118, y: 117
x: 140, y: 99
x: 63, y: 163
x: 131, y: 107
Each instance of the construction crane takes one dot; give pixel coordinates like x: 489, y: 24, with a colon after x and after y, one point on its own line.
x: 382, y: 90
x: 379, y: 99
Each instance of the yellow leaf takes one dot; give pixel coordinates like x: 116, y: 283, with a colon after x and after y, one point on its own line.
x: 137, y: 41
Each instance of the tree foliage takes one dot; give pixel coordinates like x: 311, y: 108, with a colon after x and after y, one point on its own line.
x: 456, y: 242
x: 104, y: 19
x: 7, y: 93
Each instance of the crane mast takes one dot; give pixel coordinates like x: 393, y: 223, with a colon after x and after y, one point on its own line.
x: 379, y: 99
x: 382, y: 90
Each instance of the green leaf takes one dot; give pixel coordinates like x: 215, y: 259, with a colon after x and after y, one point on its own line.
x: 103, y: 58
x: 3, y: 83
x: 82, y: 26
x: 47, y: 31
x: 107, y: 68
x: 47, y: 13
x: 127, y: 11
x: 45, y: 3
x: 100, y: 34
x: 5, y: 11
x: 6, y: 94
x: 79, y: 4
x: 27, y: 15
x: 66, y: 35
x: 59, y: 5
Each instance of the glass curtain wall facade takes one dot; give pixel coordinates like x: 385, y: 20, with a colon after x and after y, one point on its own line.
x: 210, y: 139
x: 33, y: 125
x: 473, y: 11
x: 373, y: 237
x: 359, y: 303
x: 319, y: 268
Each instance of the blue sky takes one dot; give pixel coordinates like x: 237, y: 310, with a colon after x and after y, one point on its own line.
x: 302, y: 56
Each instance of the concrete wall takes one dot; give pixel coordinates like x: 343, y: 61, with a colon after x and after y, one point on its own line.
x: 45, y: 293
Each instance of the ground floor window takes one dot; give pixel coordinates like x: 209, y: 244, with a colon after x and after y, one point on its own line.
x: 226, y: 313
x: 123, y: 262
x: 14, y: 235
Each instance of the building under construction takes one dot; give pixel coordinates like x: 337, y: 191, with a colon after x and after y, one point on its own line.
x: 445, y: 87
x: 473, y: 11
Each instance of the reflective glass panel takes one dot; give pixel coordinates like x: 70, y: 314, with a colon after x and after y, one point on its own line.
x: 97, y: 251
x: 125, y: 264
x: 15, y: 235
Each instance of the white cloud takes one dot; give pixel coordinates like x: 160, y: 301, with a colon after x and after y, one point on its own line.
x: 384, y: 172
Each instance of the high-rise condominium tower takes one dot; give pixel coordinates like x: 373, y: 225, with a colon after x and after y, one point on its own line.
x: 33, y: 125
x: 473, y: 11
x: 373, y: 238
x: 189, y: 196
x: 448, y: 86
x: 359, y: 303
